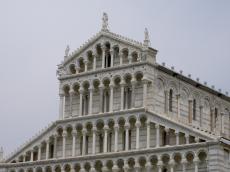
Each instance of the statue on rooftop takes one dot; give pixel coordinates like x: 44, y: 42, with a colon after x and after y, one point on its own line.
x: 67, y: 51
x: 105, y: 23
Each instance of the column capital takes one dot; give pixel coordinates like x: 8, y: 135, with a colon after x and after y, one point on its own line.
x: 184, y: 161
x: 64, y: 133
x: 84, y: 131
x: 116, y: 126
x: 71, y: 91
x: 159, y: 163
x: 138, y: 124
x: 106, y: 127
x: 74, y: 132
x: 197, y: 139
x: 167, y: 129
x: 61, y: 94
x: 47, y: 140
x: 157, y: 126
x: 127, y: 125
x: 81, y: 90
x: 111, y: 85
x: 177, y: 132
x: 172, y: 162
x: 186, y: 135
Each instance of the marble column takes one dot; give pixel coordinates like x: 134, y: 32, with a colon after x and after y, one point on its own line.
x: 111, y: 86
x: 39, y: 151
x: 86, y: 65
x: 103, y: 56
x: 84, y: 131
x: 121, y: 58
x: 177, y: 137
x: 127, y: 126
x: 138, y: 125
x: 148, y: 134
x: 159, y: 165
x: 61, y: 105
x: 187, y: 138
x: 126, y: 166
x: 115, y: 167
x: 116, y: 129
x: 133, y: 82
x: 171, y: 164
x: 90, y: 99
x: 184, y: 162
x: 32, y: 155
x: 71, y: 94
x: 64, y: 135
x: 94, y: 140
x: 145, y: 82
x: 130, y: 58
x: 101, y: 88
x: 104, y: 167
x: 122, y: 84
x: 157, y: 126
x: 55, y: 146
x: 148, y: 166
x: 81, y: 91
x: 74, y: 134
x: 112, y: 56
x: 106, y: 128
x: 47, y: 148
x: 137, y: 166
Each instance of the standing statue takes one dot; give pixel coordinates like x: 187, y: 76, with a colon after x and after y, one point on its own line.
x: 146, y: 34
x: 105, y: 23
x: 67, y: 51
x: 146, y: 40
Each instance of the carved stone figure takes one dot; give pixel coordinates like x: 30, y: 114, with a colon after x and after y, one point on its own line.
x: 67, y: 51
x: 105, y: 22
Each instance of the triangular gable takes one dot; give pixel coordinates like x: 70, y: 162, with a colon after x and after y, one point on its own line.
x: 99, y: 35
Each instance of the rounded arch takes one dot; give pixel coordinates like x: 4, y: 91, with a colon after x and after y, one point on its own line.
x: 72, y: 68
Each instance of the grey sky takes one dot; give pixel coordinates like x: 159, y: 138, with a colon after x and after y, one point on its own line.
x: 191, y: 35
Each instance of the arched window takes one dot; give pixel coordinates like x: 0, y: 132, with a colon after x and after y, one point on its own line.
x: 123, y: 140
x: 101, y: 140
x: 170, y: 100
x: 127, y: 97
x: 106, y: 101
x: 107, y: 60
x: 110, y: 142
x: 86, y: 145
x: 164, y: 138
x: 129, y: 139
x: 85, y: 105
x: 194, y: 109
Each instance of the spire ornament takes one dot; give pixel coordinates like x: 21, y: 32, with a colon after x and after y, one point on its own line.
x: 105, y: 24
x: 146, y: 40
x: 67, y: 51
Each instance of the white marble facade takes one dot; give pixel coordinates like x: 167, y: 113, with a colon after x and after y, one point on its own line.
x: 122, y: 111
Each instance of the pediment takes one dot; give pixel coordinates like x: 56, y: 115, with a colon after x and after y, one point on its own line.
x: 101, y: 38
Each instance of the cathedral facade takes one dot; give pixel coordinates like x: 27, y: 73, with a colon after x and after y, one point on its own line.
x: 121, y: 111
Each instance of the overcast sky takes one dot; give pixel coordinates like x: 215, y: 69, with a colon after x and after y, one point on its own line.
x: 192, y: 35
